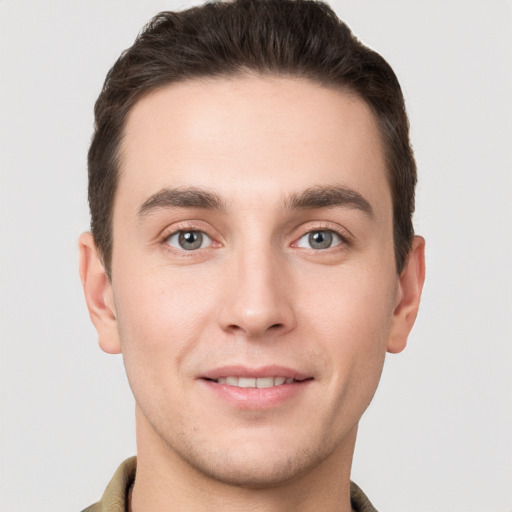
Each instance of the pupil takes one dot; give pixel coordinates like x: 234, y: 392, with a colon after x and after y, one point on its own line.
x: 320, y: 239
x: 191, y: 240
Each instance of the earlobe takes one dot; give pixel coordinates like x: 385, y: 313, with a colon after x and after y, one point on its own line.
x: 98, y: 294
x: 410, y: 286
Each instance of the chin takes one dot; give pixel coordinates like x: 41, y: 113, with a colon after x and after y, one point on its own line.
x: 257, y: 472
x: 253, y: 465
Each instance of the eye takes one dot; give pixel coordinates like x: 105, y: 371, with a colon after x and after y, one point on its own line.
x: 189, y: 240
x: 322, y: 239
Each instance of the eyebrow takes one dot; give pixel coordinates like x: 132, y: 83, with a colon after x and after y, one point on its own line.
x: 312, y: 198
x: 189, y: 197
x: 329, y: 196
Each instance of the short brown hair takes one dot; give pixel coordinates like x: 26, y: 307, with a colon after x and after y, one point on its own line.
x: 299, y: 38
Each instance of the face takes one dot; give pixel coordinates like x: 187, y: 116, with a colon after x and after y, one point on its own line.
x: 254, y: 291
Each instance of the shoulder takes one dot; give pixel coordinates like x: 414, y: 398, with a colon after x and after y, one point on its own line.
x: 93, y: 508
x: 359, y: 500
x: 115, y: 495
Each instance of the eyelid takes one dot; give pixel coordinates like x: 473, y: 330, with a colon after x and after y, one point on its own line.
x: 177, y: 233
x: 344, y: 234
x: 337, y: 240
x: 185, y: 226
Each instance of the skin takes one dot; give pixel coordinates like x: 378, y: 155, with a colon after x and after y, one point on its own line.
x: 256, y: 293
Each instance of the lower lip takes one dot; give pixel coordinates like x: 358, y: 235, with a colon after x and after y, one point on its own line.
x: 257, y: 398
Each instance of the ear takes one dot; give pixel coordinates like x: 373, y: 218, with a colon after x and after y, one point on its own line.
x: 98, y: 294
x: 410, y: 285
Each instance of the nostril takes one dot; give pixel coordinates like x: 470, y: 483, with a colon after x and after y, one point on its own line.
x: 237, y: 328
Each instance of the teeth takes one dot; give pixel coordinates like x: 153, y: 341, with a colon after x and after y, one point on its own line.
x: 249, y: 382
x: 244, y: 382
x: 265, y: 382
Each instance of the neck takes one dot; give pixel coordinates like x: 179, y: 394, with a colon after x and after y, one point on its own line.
x: 166, y: 481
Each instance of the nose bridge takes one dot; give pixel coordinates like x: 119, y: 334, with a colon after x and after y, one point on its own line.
x: 255, y: 300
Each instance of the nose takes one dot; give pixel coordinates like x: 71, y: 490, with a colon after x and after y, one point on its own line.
x: 257, y: 300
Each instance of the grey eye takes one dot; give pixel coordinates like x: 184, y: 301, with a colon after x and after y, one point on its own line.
x: 323, y: 239
x: 189, y: 240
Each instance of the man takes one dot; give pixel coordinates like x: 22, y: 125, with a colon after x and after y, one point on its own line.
x: 252, y: 254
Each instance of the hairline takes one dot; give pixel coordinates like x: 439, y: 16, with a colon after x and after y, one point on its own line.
x: 241, y: 72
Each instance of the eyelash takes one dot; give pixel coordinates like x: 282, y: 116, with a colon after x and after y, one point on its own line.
x: 188, y: 228
x: 344, y: 240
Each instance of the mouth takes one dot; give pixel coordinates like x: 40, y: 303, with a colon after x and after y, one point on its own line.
x: 255, y: 382
x: 256, y: 388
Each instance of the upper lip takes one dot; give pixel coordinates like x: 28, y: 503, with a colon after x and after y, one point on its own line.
x: 254, y: 372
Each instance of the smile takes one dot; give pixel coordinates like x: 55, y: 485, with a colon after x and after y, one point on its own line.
x: 250, y: 388
x: 251, y: 382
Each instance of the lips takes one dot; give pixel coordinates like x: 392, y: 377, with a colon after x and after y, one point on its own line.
x: 256, y: 388
x: 267, y: 376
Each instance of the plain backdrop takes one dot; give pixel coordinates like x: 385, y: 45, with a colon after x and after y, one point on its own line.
x: 437, y: 437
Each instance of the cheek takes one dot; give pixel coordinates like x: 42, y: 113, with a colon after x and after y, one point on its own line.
x: 351, y: 316
x: 161, y: 318
x: 353, y: 328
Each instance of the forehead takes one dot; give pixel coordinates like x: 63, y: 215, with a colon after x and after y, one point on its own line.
x: 247, y: 137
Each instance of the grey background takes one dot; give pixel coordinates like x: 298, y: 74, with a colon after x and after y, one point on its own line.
x: 438, y: 435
